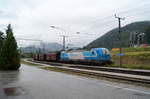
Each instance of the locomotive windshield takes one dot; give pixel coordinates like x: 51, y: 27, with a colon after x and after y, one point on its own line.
x: 105, y: 51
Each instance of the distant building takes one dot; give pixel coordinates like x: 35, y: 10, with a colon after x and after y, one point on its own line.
x: 115, y: 49
x: 144, y: 45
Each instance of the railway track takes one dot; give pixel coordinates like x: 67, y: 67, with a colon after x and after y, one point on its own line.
x: 99, y: 68
x: 137, y: 76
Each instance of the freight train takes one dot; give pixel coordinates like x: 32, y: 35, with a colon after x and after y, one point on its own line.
x: 94, y: 56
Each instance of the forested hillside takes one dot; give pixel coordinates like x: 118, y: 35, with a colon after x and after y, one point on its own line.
x: 111, y: 38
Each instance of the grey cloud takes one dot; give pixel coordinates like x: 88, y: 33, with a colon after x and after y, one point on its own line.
x: 32, y: 18
x: 8, y: 15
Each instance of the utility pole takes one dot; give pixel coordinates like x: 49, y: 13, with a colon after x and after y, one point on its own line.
x: 64, y: 42
x: 119, y: 31
x: 63, y: 36
x: 43, y: 49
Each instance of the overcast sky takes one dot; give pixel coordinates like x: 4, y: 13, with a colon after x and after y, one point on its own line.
x: 32, y: 19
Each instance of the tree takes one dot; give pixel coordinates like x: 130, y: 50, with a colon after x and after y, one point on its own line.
x: 10, y: 57
x: 147, y: 32
x: 1, y: 45
x: 1, y: 39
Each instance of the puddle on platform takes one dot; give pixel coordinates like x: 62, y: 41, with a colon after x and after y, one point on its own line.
x: 14, y: 91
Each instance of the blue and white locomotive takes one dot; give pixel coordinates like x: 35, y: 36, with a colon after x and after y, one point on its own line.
x: 95, y: 55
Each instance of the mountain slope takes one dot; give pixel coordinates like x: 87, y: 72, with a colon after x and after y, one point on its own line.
x: 46, y: 47
x: 111, y: 38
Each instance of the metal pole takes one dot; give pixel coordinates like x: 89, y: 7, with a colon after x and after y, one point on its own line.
x: 43, y: 47
x: 64, y: 37
x: 120, y: 42
x: 120, y: 46
x: 63, y: 42
x: 131, y: 40
x: 20, y: 51
x: 138, y: 40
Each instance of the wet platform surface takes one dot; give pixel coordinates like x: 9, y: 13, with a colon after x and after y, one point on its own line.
x: 33, y: 83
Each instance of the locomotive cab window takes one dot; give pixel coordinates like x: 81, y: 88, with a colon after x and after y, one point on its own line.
x: 105, y: 51
x: 93, y: 53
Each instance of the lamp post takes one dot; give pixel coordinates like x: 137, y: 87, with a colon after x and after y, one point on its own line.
x: 63, y: 36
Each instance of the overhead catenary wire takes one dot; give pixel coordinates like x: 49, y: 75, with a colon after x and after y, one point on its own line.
x: 28, y: 39
x: 112, y: 22
x: 107, y: 21
x: 98, y: 20
x: 103, y: 21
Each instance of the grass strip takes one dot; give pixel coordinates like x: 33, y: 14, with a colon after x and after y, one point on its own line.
x: 129, y: 66
x: 28, y: 63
